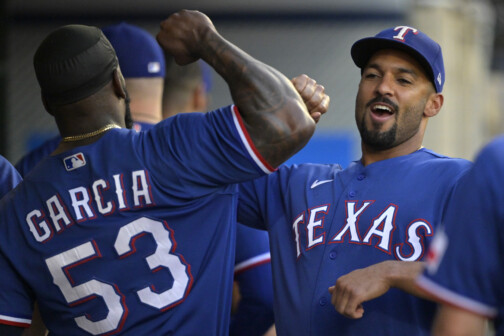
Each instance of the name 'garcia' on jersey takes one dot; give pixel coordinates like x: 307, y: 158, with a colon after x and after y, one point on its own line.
x: 87, y: 201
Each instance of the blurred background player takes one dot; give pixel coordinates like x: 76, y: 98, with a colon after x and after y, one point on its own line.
x: 186, y: 89
x: 143, y: 66
x: 9, y: 176
x: 180, y: 193
x: 464, y: 270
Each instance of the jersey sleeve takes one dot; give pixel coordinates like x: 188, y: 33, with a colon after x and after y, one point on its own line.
x: 9, y: 177
x: 252, y: 248
x: 250, y: 205
x: 204, y: 149
x: 15, y: 301
x: 464, y: 263
x: 31, y: 159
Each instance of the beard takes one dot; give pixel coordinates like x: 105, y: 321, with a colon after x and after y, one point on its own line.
x: 128, y: 120
x: 406, y: 125
x: 375, y: 138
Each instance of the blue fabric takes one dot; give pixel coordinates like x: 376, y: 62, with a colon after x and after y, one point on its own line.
x: 470, y: 273
x: 325, y: 221
x: 136, y: 230
x: 9, y: 177
x: 254, y: 315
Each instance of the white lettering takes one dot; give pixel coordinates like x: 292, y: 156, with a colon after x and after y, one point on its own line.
x: 414, y: 241
x: 80, y: 202
x: 403, y: 30
x: 295, y: 227
x: 140, y: 188
x: 42, y: 225
x: 313, y: 224
x: 109, y: 206
x: 387, y: 219
x: 351, y: 222
x: 57, y: 212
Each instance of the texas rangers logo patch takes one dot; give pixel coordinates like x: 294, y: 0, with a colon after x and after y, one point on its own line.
x: 74, y: 161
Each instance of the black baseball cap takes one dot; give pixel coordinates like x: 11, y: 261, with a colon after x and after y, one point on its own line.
x: 411, y: 40
x: 73, y: 62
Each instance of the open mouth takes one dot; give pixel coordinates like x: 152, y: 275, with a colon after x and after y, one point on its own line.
x: 381, y: 111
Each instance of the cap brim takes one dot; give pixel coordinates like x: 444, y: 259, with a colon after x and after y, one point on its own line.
x: 362, y: 51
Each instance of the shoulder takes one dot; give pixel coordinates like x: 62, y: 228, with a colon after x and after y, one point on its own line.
x: 493, y: 151
x: 307, y: 169
x: 30, y: 160
x: 489, y: 162
x: 435, y: 160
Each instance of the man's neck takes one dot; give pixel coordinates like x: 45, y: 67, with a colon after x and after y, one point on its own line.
x: 371, y: 155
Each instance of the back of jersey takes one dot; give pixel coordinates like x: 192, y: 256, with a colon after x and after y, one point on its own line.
x: 129, y: 234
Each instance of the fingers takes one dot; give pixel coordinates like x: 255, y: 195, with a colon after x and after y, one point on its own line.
x: 183, y: 35
x: 346, y: 301
x: 300, y: 82
x: 313, y: 94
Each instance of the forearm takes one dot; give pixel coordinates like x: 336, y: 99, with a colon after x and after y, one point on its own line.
x: 451, y: 321
x: 274, y: 113
x: 402, y: 275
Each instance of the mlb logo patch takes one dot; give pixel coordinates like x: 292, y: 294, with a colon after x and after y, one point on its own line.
x: 74, y: 161
x: 153, y: 67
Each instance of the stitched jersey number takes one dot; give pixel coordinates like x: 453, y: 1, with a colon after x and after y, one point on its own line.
x: 111, y: 295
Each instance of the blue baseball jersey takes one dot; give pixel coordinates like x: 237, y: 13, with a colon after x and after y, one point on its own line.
x: 465, y: 260
x: 9, y: 177
x: 325, y: 222
x: 133, y: 234
x: 30, y: 160
x: 254, y: 315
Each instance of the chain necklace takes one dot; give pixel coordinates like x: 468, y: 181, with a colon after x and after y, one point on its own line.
x: 90, y: 134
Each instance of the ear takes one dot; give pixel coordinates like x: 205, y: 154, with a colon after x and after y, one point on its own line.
x: 46, y: 105
x: 434, y: 104
x: 119, y: 83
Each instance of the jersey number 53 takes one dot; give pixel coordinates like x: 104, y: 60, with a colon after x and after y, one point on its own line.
x: 111, y: 294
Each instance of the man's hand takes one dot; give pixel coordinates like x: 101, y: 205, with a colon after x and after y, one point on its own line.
x: 181, y: 35
x: 317, y: 102
x: 359, y: 286
x: 355, y: 288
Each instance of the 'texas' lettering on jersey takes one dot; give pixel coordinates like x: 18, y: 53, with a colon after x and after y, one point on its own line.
x: 55, y: 216
x: 379, y: 233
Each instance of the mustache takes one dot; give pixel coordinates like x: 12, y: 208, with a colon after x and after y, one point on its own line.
x: 381, y: 99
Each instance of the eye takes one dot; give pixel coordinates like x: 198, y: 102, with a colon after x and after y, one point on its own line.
x: 404, y: 81
x: 370, y: 75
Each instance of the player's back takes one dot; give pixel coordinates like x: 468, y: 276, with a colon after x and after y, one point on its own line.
x: 128, y: 234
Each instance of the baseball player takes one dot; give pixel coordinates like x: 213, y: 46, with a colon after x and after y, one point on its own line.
x: 186, y: 90
x: 9, y: 177
x: 345, y: 243
x: 464, y: 269
x: 143, y: 67
x: 131, y: 232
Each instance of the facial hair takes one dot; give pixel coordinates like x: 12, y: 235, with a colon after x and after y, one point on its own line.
x: 376, y: 138
x: 128, y: 120
x: 409, y: 120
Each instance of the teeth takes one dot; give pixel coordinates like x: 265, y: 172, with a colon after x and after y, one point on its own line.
x: 382, y: 107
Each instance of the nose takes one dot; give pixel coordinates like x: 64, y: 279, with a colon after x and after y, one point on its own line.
x: 384, y: 86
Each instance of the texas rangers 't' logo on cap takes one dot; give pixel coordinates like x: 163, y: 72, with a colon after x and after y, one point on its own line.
x: 424, y: 49
x: 74, y: 161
